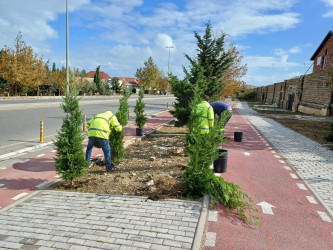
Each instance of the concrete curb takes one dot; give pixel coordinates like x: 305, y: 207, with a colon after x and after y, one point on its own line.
x: 196, y: 245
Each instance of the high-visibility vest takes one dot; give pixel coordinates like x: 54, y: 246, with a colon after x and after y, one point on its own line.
x: 100, y: 125
x: 206, y: 119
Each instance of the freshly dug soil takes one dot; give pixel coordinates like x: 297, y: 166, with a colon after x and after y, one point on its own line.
x: 314, y: 127
x: 153, y: 167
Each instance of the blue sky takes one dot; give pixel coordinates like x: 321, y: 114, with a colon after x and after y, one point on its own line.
x: 276, y: 37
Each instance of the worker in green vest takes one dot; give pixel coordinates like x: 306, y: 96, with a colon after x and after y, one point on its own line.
x: 99, y: 129
x: 206, y: 112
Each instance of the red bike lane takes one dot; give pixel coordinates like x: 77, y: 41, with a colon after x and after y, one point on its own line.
x: 31, y: 175
x: 289, y: 217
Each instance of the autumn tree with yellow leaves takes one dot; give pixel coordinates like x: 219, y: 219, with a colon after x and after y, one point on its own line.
x: 233, y: 75
x: 21, y: 67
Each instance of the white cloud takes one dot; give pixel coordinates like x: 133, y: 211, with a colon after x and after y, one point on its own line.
x: 328, y: 3
x: 31, y: 18
x: 295, y: 50
x: 121, y: 35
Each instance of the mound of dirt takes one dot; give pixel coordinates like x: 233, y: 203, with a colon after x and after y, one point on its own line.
x: 153, y: 167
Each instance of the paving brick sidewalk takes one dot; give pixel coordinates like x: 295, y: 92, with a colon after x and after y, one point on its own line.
x: 312, y: 161
x: 64, y: 220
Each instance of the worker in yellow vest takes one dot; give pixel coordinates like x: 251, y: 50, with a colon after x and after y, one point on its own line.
x: 99, y: 129
x: 206, y: 115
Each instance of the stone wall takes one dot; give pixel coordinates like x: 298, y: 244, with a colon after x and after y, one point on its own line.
x: 306, y: 94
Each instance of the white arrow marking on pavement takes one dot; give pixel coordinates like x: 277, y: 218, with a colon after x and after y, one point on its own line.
x: 266, y: 207
x: 311, y: 199
x: 324, y: 216
x: 19, y: 196
x: 247, y: 153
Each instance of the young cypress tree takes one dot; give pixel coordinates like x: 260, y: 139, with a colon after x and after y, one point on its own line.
x: 199, y: 179
x: 116, y: 139
x: 70, y: 159
x: 139, y: 109
x: 98, y: 81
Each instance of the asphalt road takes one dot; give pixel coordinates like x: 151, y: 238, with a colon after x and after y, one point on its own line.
x: 20, y: 118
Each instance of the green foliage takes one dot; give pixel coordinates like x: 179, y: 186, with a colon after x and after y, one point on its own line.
x: 116, y: 85
x: 206, y: 69
x: 249, y: 95
x: 213, y: 58
x: 90, y: 87
x: 98, y: 81
x: 149, y: 75
x: 116, y: 139
x: 330, y: 135
x: 139, y: 109
x: 133, y: 90
x: 183, y: 91
x: 70, y: 160
x: 199, y: 179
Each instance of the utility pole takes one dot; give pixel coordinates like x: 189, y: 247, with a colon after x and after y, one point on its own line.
x: 67, y: 69
x: 168, y: 47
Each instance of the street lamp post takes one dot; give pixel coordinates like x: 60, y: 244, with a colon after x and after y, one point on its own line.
x: 168, y: 47
x: 67, y: 69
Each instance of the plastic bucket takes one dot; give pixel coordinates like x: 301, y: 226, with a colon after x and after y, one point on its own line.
x: 220, y: 164
x: 139, y: 131
x: 238, y: 136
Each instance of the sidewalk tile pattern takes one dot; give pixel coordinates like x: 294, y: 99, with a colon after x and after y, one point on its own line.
x: 68, y: 220
x: 312, y: 161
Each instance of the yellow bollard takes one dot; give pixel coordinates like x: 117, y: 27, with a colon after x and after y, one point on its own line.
x: 128, y: 116
x: 26, y: 96
x: 8, y: 97
x: 84, y: 122
x: 167, y: 106
x: 41, y: 131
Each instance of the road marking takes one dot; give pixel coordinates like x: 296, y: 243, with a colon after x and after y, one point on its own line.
x: 282, y: 161
x: 43, y: 184
x: 26, y: 160
x: 266, y: 144
x: 286, y: 167
x: 1, y: 185
x: 301, y: 186
x: 40, y: 155
x: 311, y: 199
x: 212, y: 215
x: 277, y: 156
x: 247, y: 153
x: 210, y: 239
x: 324, y: 216
x: 273, y: 151
x: 293, y: 176
x: 53, y: 151
x: 266, y: 207
x: 19, y: 196
x: 269, y: 147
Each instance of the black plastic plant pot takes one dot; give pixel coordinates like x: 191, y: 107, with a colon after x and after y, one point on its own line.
x: 238, y: 136
x: 220, y: 164
x: 139, y: 131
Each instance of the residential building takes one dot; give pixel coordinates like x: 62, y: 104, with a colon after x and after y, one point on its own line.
x: 323, y: 56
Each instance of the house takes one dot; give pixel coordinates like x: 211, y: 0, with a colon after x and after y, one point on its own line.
x: 104, y: 76
x: 323, y: 56
x: 127, y: 82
